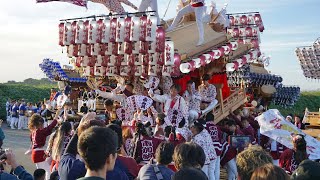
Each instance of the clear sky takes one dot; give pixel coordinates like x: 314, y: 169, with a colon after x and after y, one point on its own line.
x: 29, y: 33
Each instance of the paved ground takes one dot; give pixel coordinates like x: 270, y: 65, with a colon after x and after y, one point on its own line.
x: 19, y: 142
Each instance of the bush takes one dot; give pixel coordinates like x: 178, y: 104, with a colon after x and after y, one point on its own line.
x: 31, y: 92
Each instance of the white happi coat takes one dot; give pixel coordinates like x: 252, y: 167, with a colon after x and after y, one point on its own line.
x: 204, y: 140
x: 180, y: 103
x: 193, y: 99
x: 208, y: 94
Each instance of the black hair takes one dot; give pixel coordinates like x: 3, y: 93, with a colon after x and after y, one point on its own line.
x: 300, y: 148
x: 141, y: 129
x: 198, y: 125
x: 117, y: 129
x: 189, y: 82
x: 161, y: 117
x: 108, y: 102
x: 54, y: 175
x: 206, y: 77
x: 164, y: 153
x: 84, y: 104
x: 167, y: 131
x: 182, y: 123
x: 209, y: 117
x: 117, y: 122
x: 95, y: 145
x: 39, y: 173
x: 176, y: 87
x: 231, y: 122
x: 189, y: 173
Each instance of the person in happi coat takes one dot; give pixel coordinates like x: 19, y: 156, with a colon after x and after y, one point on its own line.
x: 193, y: 100
x: 153, y: 4
x: 217, y: 139
x: 208, y: 95
x: 172, y: 101
x: 198, y: 7
x: 291, y: 158
x: 203, y: 139
x: 145, y: 146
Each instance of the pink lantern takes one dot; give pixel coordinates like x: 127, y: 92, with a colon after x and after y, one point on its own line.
x: 244, y: 20
x: 120, y: 59
x: 105, y: 61
x: 112, y: 60
x: 244, y: 60
x: 121, y: 48
x: 230, y: 67
x: 151, y: 28
x: 124, y: 70
x: 166, y: 71
x: 89, y: 50
x: 222, y: 50
x: 100, y: 30
x: 227, y: 49
x: 99, y: 60
x: 177, y: 60
x: 83, y: 50
x: 248, y: 31
x: 106, y: 31
x: 261, y: 28
x: 240, y: 63
x: 114, y: 48
x: 255, y: 31
x: 61, y: 34
x: 237, y: 21
x: 96, y: 49
x: 93, y: 32
x: 230, y: 32
x: 113, y: 30
x: 217, y: 53
x: 234, y: 45
x: 255, y: 43
x: 127, y: 47
x: 111, y: 71
x: 202, y: 60
x: 86, y: 25
x: 145, y: 59
x: 185, y: 67
x: 169, y: 53
x: 103, y: 48
x: 73, y: 32
x: 124, y: 61
x: 153, y: 59
x: 235, y: 32
x: 136, y: 47
x: 236, y: 65
x: 67, y: 34
x: 127, y: 29
x: 79, y: 61
x: 73, y: 50
x: 137, y: 70
x: 251, y: 19
x: 197, y: 62
x: 120, y: 30
x: 99, y: 71
x: 208, y: 58
x: 257, y: 19
x: 144, y: 71
x: 160, y: 58
x: 135, y: 29
x: 143, y: 28
x: 152, y: 47
x: 143, y: 47
x: 242, y: 32
x: 160, y: 39
x: 152, y: 70
x: 231, y: 18
x: 88, y: 71
x: 175, y: 71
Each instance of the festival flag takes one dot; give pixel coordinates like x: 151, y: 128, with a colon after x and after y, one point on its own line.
x: 274, y: 125
x: 75, y: 2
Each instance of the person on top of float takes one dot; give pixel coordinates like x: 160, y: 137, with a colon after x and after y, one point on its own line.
x: 115, y: 6
x: 153, y: 4
x: 174, y: 104
x: 196, y: 6
x: 193, y: 100
x: 208, y: 94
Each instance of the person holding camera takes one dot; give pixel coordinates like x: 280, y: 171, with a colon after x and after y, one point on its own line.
x: 19, y: 173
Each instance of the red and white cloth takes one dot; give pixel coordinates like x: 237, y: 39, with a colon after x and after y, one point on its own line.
x: 193, y: 99
x: 216, y: 136
x: 203, y: 139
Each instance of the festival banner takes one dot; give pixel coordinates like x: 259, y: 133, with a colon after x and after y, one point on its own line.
x: 274, y: 125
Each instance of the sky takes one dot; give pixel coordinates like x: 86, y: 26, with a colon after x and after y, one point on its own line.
x: 29, y: 33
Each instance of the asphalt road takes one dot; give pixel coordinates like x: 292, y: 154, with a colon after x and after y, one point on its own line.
x: 19, y: 142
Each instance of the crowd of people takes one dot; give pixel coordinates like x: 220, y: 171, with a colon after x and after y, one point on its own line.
x: 178, y: 140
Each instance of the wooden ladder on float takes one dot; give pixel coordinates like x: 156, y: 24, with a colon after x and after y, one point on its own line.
x: 234, y: 101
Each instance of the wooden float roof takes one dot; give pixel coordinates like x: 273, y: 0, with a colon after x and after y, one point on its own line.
x: 186, y: 37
